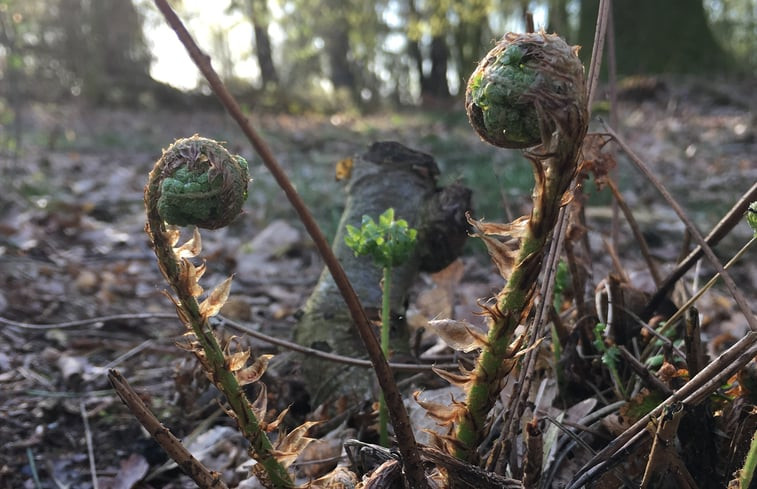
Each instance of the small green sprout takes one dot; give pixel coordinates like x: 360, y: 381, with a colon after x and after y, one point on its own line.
x: 751, y: 216
x: 389, y: 243
x: 610, y: 356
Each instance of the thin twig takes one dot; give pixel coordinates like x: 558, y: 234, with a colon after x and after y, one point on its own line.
x: 400, y: 420
x: 332, y: 357
x: 733, y: 217
x: 289, y: 345
x: 698, y: 388
x: 642, y: 243
x: 90, y: 448
x: 203, y: 477
x: 597, y: 49
x: 738, y: 297
x: 125, y: 356
x: 84, y: 322
x: 468, y: 475
x: 33, y: 468
x: 644, y: 374
x: 681, y: 310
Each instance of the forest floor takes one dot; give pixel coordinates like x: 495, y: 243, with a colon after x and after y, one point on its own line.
x: 73, y: 252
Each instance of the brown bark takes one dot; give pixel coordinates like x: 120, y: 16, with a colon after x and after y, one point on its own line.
x: 388, y: 175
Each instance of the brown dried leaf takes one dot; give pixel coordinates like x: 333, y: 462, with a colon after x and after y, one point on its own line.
x: 458, y: 335
x: 217, y: 298
x: 260, y: 405
x: 444, y: 414
x: 131, y: 471
x: 276, y: 422
x: 289, y: 447
x: 503, y: 253
x: 179, y: 309
x: 255, y: 371
x: 567, y: 198
x: 339, y: 478
x: 172, y: 234
x: 445, y: 443
x: 189, y: 275
x: 191, y: 248
x: 595, y: 161
x: 237, y: 360
x: 460, y: 380
x: 200, y: 270
x: 449, y: 276
x: 516, y: 229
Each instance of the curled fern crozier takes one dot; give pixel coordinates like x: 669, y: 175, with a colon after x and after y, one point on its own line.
x: 201, y: 184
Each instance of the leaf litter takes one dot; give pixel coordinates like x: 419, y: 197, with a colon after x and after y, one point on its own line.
x: 72, y: 247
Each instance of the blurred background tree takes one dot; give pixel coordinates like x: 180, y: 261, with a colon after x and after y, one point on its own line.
x: 659, y: 37
x: 327, y: 54
x: 92, y: 49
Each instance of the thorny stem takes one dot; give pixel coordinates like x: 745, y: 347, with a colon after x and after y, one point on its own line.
x: 407, y: 445
x: 212, y: 355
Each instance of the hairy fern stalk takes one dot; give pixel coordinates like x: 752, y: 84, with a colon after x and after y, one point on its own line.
x: 197, y: 182
x: 527, y: 92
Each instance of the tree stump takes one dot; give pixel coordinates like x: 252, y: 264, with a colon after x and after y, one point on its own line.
x: 387, y: 175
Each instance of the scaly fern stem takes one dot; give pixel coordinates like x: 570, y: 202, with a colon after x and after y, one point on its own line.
x: 553, y: 176
x: 211, y: 355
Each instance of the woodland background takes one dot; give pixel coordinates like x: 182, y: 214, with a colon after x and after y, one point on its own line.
x: 88, y: 98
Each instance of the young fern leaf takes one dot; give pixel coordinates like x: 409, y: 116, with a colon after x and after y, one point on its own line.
x: 197, y: 182
x: 528, y: 91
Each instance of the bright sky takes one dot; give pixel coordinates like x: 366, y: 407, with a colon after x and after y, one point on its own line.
x: 233, y: 31
x: 172, y: 63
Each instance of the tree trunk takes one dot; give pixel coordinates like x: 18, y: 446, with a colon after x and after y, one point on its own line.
x: 437, y: 86
x: 434, y: 85
x: 558, y: 19
x: 414, y: 47
x: 657, y: 37
x: 337, y: 50
x: 470, y: 47
x: 388, y: 175
x: 259, y: 17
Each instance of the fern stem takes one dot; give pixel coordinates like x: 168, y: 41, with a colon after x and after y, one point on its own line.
x: 211, y: 355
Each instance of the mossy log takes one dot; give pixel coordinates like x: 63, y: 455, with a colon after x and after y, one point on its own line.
x: 387, y: 175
